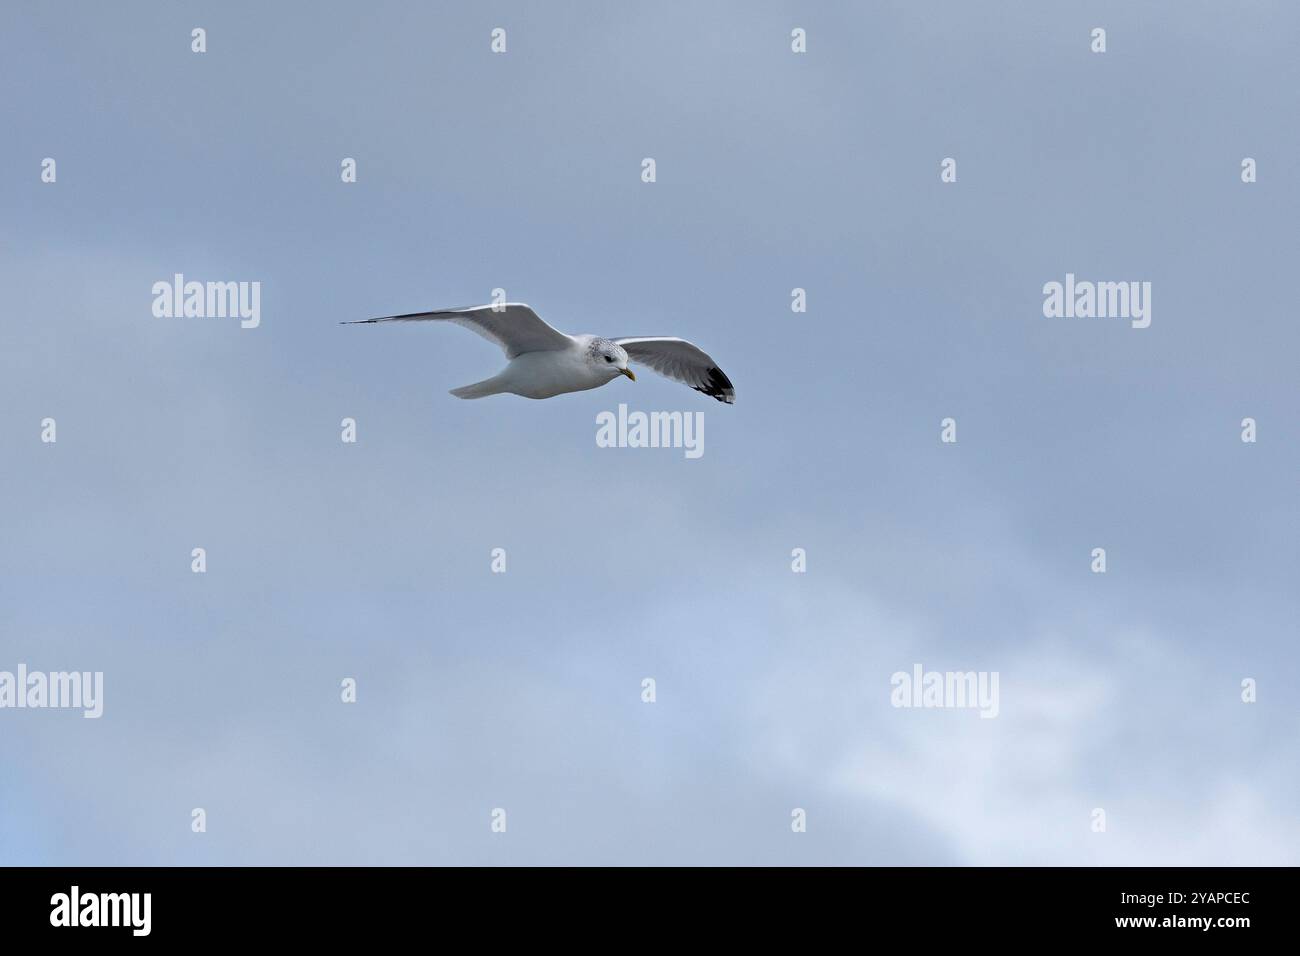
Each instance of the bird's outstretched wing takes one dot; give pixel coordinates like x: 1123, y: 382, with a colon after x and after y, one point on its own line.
x: 683, y: 362
x: 513, y: 326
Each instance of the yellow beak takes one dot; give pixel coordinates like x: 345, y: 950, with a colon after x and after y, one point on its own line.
x: 628, y: 373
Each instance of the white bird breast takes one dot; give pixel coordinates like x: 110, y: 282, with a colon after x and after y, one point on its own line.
x: 546, y: 374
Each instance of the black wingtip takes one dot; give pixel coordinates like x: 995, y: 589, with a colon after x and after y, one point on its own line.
x: 718, y: 386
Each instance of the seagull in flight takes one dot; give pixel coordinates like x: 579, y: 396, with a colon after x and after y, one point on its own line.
x: 545, y: 362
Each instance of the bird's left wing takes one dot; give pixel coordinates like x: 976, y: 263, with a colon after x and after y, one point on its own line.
x: 513, y: 326
x: 682, y: 362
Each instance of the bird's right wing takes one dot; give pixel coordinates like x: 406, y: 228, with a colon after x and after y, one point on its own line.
x: 513, y: 326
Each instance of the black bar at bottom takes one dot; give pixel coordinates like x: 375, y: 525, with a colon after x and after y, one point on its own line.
x: 211, y: 905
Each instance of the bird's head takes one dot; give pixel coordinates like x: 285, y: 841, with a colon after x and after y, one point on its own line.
x: 609, y: 356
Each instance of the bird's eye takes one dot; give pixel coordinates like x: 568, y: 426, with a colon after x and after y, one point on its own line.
x: 609, y: 358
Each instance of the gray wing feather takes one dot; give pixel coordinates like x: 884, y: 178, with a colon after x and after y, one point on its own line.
x: 513, y: 326
x: 682, y: 362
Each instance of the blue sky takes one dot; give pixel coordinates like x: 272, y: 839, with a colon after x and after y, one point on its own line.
x: 523, y: 690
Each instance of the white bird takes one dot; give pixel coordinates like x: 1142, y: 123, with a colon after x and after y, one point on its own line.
x: 545, y: 362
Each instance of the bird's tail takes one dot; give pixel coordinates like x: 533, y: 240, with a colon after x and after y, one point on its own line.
x: 489, y: 386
